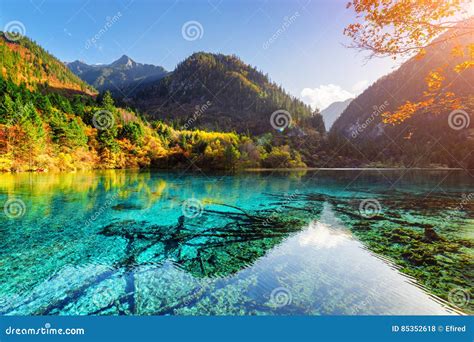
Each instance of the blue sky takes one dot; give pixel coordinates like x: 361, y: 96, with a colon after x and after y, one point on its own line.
x: 298, y: 43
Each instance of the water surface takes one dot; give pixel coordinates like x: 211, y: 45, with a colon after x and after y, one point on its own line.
x: 267, y: 243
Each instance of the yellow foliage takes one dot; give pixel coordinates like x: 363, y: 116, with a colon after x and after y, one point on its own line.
x: 65, y: 162
x: 457, y: 51
x: 405, y: 111
x: 5, y: 163
x: 435, y: 79
x: 464, y: 66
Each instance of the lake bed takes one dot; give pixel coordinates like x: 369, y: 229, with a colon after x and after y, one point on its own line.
x: 321, y: 242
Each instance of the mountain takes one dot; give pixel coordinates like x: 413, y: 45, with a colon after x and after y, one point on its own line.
x: 428, y: 136
x: 220, y: 92
x: 52, y: 120
x: 335, y: 109
x: 210, y: 91
x: 118, y: 75
x: 216, y: 91
x: 23, y: 61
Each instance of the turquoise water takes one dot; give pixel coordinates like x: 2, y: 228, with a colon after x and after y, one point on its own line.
x: 298, y: 243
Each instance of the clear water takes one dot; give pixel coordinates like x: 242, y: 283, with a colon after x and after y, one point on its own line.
x: 117, y: 243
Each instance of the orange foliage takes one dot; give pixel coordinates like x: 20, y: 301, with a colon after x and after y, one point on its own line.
x: 399, y: 28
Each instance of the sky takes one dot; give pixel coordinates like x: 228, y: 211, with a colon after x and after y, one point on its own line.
x: 298, y: 43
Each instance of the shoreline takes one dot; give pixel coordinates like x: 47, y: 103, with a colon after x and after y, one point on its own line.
x: 249, y: 170
x: 356, y: 169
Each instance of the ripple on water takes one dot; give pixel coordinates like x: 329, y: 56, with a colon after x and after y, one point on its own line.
x: 292, y: 246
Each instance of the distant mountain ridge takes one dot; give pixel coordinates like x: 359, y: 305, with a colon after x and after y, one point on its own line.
x: 124, y: 73
x: 332, y: 113
x: 240, y: 97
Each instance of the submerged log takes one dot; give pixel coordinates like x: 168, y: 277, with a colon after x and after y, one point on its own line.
x: 430, y: 235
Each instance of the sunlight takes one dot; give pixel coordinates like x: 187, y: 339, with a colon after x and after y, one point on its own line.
x: 237, y: 158
x: 320, y: 235
x: 470, y: 9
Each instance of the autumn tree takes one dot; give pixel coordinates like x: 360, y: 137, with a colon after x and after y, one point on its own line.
x: 231, y: 156
x: 406, y: 28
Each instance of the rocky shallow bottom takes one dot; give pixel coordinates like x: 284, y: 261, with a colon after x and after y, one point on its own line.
x: 124, y: 244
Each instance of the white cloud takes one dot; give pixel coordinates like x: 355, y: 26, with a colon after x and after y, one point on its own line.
x: 360, y: 86
x: 324, y: 95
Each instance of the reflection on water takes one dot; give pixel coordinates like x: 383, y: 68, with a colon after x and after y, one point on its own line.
x: 117, y: 242
x: 322, y: 235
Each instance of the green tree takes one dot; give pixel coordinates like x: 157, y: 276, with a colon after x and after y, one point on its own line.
x: 108, y: 101
x: 132, y: 131
x: 231, y: 156
x: 7, y: 109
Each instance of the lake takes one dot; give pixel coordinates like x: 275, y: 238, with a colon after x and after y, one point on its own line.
x: 327, y: 242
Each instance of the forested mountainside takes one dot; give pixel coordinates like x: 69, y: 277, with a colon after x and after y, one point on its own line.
x: 25, y: 62
x: 118, y: 75
x: 51, y: 120
x: 237, y: 97
x: 214, y: 111
x: 430, y: 136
